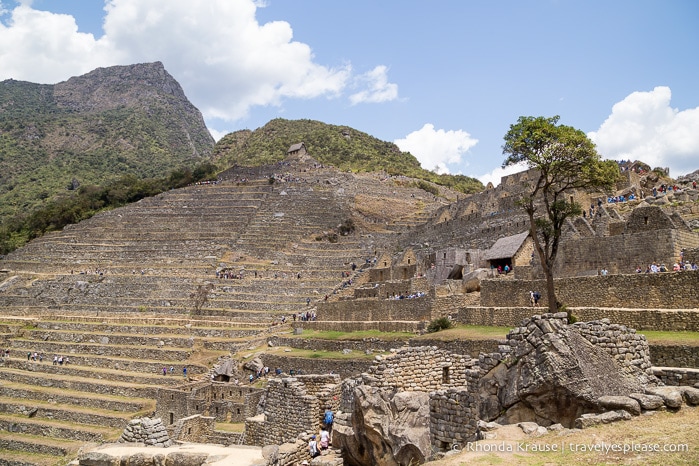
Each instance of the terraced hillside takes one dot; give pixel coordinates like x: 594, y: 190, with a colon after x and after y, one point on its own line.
x: 136, y: 290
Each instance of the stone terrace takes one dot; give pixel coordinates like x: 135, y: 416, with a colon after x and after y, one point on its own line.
x: 115, y: 295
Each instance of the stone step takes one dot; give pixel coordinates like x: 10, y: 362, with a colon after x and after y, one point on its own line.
x: 64, y: 424
x: 22, y: 458
x: 38, y: 444
x: 110, y: 338
x: 33, y: 394
x: 141, y: 366
x: 80, y: 384
x: 124, y: 351
x: 150, y: 330
x: 73, y: 369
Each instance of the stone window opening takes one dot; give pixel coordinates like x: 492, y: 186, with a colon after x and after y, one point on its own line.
x: 445, y: 375
x: 645, y: 220
x: 189, y: 430
x: 172, y: 397
x: 172, y: 418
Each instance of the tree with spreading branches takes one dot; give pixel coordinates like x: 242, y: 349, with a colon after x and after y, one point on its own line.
x: 564, y: 160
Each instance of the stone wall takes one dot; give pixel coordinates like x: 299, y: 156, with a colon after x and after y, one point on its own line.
x: 675, y: 356
x: 422, y: 368
x: 343, y: 367
x: 672, y: 290
x: 453, y: 417
x: 224, y: 402
x: 357, y: 326
x: 196, y: 429
x: 676, y: 376
x: 376, y: 309
x: 293, y: 405
x: 623, y: 344
x: 622, y: 253
x: 640, y: 319
x: 470, y: 347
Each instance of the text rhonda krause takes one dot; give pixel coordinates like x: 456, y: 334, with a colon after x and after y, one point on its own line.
x: 606, y: 448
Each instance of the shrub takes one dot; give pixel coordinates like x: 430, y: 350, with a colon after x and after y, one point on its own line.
x: 347, y: 227
x: 442, y: 323
x: 430, y: 188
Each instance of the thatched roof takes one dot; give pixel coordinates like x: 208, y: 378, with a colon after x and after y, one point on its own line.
x: 296, y: 147
x: 507, y: 247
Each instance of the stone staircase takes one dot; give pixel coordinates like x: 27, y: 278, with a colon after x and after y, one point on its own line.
x: 115, y: 295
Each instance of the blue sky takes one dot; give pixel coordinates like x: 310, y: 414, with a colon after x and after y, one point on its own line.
x: 442, y: 79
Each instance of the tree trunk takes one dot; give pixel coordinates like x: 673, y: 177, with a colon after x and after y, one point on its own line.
x: 551, y: 293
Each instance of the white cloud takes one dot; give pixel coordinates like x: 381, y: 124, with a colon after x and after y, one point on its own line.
x: 225, y: 60
x: 379, y: 89
x: 645, y: 127
x: 495, y: 175
x: 436, y: 149
x: 43, y: 47
x: 217, y: 135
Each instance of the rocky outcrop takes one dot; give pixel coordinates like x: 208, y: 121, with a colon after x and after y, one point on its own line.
x: 552, y: 374
x: 385, y: 428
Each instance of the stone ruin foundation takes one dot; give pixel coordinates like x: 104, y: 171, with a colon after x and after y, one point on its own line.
x: 148, y: 431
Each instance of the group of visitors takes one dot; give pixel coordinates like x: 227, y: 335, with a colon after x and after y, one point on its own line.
x: 172, y: 371
x: 660, y: 268
x: 534, y: 297
x: 504, y: 270
x: 622, y: 198
x: 307, y: 316
x: 418, y: 294
x: 321, y: 442
x: 90, y: 272
x: 229, y: 275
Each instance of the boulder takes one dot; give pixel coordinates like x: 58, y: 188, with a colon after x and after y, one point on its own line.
x: 96, y: 458
x: 690, y: 395
x: 647, y: 402
x: 627, y: 403
x: 386, y: 428
x: 553, y: 375
x: 589, y: 420
x: 672, y: 396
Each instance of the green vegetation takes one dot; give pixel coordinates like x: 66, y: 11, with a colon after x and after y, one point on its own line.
x: 468, y: 332
x: 86, y: 201
x: 343, y: 147
x: 565, y: 159
x: 669, y: 337
x: 358, y: 335
x: 315, y: 354
x: 441, y: 323
x: 58, y: 139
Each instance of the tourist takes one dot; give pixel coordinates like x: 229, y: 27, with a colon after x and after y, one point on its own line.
x: 328, y: 419
x: 324, y: 438
x: 184, y: 372
x: 313, y: 447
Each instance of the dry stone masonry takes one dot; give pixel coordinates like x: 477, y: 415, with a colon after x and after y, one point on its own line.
x: 147, y: 431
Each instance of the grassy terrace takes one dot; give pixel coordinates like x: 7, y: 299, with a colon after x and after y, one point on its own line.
x: 476, y: 332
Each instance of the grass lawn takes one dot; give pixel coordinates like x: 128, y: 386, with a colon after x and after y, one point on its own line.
x: 358, y: 335
x: 656, y: 337
x: 303, y: 353
x: 467, y: 332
